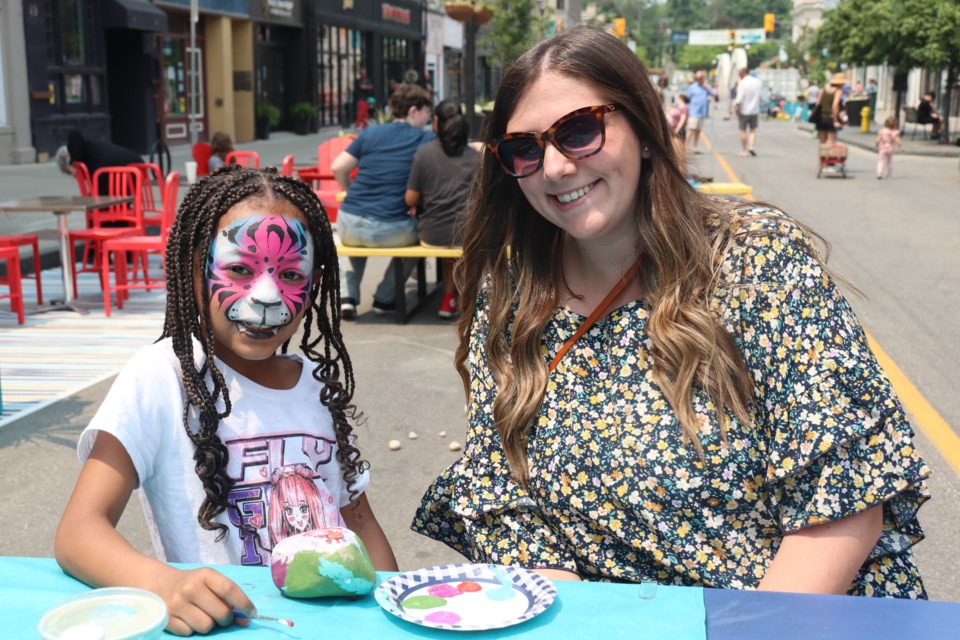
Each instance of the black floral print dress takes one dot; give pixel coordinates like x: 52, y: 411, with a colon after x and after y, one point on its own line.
x: 617, y: 494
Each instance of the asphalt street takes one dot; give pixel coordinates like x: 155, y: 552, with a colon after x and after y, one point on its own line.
x: 896, y: 241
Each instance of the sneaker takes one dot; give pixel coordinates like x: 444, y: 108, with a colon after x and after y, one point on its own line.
x: 348, y: 308
x: 448, y: 307
x: 383, y: 308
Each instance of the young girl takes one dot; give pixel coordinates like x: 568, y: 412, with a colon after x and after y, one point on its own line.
x: 202, y: 419
x: 887, y: 138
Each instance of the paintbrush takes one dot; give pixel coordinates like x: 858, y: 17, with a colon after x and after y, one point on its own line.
x: 257, y: 616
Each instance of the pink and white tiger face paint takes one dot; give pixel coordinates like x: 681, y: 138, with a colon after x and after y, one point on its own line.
x: 259, y: 271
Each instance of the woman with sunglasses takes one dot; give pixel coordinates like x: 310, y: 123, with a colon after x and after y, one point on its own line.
x: 661, y: 387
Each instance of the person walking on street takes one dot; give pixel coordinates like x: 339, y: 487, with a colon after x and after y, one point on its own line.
x: 699, y: 94
x: 747, y: 105
x: 829, y: 102
x: 887, y: 139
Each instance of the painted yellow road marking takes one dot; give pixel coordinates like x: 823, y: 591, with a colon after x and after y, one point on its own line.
x: 925, y: 417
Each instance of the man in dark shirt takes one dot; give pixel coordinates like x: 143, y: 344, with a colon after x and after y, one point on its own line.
x: 927, y: 114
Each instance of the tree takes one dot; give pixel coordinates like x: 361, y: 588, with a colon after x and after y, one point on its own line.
x: 902, y: 33
x: 516, y: 24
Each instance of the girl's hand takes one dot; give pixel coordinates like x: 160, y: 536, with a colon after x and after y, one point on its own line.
x: 199, y: 599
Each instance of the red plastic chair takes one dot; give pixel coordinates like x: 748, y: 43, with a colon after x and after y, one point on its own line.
x: 152, y: 206
x: 12, y: 257
x: 286, y: 168
x: 121, y: 181
x: 243, y: 158
x: 201, y: 155
x: 139, y: 246
x: 82, y: 174
x: 22, y: 240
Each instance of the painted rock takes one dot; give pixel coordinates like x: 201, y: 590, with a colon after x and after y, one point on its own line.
x: 322, y: 563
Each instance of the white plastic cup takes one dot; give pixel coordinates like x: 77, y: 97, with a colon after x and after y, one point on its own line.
x: 191, y: 172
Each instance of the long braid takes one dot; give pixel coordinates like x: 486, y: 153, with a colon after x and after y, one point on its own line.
x: 188, y: 318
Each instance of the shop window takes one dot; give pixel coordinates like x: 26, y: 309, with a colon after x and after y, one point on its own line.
x: 71, y: 32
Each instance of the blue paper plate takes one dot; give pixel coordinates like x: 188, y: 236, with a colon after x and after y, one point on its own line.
x: 466, y: 597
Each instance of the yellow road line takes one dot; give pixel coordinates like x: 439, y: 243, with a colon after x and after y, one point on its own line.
x: 925, y: 417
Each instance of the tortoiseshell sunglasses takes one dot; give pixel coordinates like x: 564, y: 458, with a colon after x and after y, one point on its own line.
x: 579, y: 134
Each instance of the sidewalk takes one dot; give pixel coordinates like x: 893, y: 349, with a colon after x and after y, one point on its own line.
x: 916, y: 146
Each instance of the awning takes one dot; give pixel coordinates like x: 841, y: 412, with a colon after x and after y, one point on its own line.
x: 139, y: 15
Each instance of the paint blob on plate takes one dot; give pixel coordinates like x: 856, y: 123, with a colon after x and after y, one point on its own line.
x: 466, y: 596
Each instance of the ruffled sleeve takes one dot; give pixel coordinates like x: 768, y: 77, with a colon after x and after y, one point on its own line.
x: 838, y: 441
x: 475, y: 506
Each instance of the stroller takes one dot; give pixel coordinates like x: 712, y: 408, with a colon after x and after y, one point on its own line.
x: 834, y: 156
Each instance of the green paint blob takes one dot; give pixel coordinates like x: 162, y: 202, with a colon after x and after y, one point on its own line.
x: 423, y: 602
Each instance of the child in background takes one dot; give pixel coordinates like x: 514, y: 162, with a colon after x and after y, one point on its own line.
x: 208, y: 419
x: 220, y: 146
x: 887, y: 138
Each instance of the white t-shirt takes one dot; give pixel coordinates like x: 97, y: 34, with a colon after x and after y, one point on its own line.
x: 748, y: 96
x: 282, y: 459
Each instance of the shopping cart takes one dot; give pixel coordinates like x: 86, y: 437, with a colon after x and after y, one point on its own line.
x: 834, y: 157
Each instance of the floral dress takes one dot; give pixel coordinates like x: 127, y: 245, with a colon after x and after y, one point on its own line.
x: 617, y: 494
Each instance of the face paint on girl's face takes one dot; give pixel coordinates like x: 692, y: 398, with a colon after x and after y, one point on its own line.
x: 259, y: 271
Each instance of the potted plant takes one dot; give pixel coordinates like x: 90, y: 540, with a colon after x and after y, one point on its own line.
x: 268, y: 117
x: 303, y: 113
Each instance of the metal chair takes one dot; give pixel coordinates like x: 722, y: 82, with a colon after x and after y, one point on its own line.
x: 139, y: 246
x: 121, y: 181
x: 12, y: 257
x: 23, y: 240
x: 243, y: 158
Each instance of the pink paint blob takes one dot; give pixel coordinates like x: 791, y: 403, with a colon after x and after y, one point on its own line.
x: 443, y: 617
x: 444, y: 590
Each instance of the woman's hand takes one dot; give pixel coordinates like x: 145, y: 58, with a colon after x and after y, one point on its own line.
x: 200, y: 599
x: 824, y: 558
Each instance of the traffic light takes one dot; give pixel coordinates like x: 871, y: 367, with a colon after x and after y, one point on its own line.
x: 620, y: 27
x: 769, y: 22
x: 733, y: 39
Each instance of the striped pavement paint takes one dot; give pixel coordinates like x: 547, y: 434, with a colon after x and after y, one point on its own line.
x: 58, y: 353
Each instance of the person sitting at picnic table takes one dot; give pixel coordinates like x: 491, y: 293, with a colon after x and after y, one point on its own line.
x: 927, y: 114
x: 438, y: 187
x: 220, y: 146
x: 373, y: 213
x: 716, y: 419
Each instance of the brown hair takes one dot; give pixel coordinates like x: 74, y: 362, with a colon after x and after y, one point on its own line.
x: 406, y: 96
x: 513, y: 253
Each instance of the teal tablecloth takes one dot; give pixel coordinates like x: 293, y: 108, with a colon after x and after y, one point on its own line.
x: 30, y: 586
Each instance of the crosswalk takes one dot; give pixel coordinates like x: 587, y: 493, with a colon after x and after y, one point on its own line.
x: 57, y: 353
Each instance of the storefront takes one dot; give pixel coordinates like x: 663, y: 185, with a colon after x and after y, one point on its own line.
x: 92, y: 66
x: 383, y: 37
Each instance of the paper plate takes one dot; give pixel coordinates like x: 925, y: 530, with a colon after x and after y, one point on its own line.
x: 466, y: 597
x: 113, y: 614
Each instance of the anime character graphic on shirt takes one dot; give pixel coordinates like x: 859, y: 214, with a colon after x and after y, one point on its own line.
x: 298, y: 504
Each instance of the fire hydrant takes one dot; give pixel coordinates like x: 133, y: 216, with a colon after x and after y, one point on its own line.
x: 865, y: 120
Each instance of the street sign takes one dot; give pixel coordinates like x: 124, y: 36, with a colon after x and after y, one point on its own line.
x: 722, y: 36
x: 680, y: 37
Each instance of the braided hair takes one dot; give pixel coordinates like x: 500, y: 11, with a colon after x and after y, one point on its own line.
x: 188, y: 318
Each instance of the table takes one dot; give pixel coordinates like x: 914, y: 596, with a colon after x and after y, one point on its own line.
x: 30, y: 586
x: 61, y: 206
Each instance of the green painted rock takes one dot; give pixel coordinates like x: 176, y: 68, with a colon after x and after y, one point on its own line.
x: 322, y: 563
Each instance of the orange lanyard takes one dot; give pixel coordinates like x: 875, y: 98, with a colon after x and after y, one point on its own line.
x: 601, y: 308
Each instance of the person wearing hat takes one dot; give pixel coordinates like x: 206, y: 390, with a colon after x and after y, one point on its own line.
x: 829, y: 104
